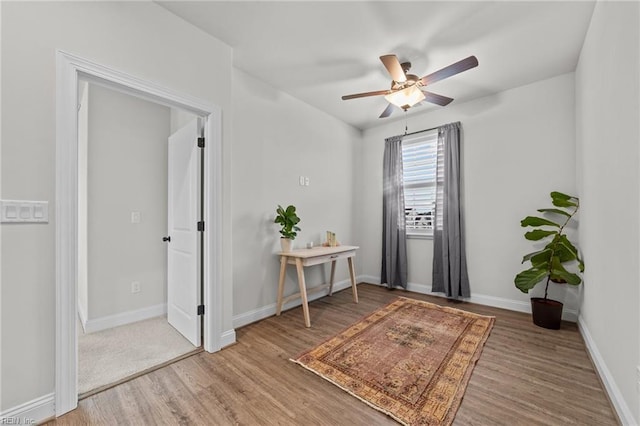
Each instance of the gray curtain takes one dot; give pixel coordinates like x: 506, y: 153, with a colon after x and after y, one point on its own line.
x: 394, y: 236
x: 449, y: 259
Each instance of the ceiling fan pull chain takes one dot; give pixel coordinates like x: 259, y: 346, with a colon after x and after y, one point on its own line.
x: 406, y: 127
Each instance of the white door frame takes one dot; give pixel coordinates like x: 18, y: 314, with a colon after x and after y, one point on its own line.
x: 69, y: 69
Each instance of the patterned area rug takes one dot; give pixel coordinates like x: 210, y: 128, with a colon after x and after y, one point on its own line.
x: 410, y: 359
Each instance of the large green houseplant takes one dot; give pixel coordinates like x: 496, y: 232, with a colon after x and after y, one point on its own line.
x: 288, y: 221
x: 550, y: 263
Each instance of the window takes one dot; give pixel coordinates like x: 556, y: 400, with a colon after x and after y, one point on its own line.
x: 420, y: 172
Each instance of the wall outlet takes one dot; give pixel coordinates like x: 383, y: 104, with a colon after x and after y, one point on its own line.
x: 135, y: 287
x: 303, y: 180
x: 135, y: 217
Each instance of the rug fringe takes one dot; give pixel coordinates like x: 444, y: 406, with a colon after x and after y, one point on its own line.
x: 382, y: 410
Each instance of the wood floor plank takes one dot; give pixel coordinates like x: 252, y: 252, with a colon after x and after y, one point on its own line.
x: 526, y: 376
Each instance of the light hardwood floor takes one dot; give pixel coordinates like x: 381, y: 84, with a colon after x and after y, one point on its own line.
x: 526, y: 376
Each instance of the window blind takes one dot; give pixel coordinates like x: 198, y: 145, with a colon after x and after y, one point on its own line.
x: 420, y: 173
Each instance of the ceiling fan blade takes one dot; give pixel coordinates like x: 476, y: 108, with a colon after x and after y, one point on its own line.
x: 434, y: 98
x: 452, y: 69
x: 365, y: 94
x: 387, y: 111
x: 392, y: 65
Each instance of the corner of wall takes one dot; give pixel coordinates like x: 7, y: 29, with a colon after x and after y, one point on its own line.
x: 615, y: 395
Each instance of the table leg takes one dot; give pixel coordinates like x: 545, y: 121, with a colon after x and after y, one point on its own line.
x: 333, y: 274
x: 283, y: 270
x: 352, y: 274
x: 303, y: 292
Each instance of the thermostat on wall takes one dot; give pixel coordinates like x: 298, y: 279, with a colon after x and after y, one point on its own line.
x: 14, y: 211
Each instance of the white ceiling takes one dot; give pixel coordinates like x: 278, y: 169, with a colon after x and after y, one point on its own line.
x: 319, y: 51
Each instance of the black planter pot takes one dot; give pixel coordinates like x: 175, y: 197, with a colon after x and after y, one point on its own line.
x: 546, y: 313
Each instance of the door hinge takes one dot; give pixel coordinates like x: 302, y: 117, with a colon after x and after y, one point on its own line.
x: 200, y: 142
x: 201, y: 226
x: 200, y: 309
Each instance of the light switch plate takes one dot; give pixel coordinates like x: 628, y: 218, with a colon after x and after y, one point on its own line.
x: 18, y: 211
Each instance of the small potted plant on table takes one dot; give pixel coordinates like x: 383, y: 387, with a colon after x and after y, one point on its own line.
x: 288, y: 220
x: 548, y: 263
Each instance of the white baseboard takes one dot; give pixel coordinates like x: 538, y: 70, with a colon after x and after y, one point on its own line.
x: 82, y: 312
x: 93, y: 325
x: 228, y: 338
x: 370, y: 279
x: 480, y: 299
x: 619, y: 404
x: 32, y: 412
x: 270, y: 310
x: 83, y: 319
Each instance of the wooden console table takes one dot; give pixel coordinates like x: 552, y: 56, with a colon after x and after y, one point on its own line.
x: 310, y: 257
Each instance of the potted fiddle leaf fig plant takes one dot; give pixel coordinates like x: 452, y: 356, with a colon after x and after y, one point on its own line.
x: 550, y: 263
x: 288, y: 221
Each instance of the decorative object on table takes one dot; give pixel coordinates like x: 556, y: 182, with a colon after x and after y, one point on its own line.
x: 288, y: 220
x: 410, y: 359
x: 331, y: 240
x: 548, y: 263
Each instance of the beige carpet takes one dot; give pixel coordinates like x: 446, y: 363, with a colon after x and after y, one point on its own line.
x: 109, y: 356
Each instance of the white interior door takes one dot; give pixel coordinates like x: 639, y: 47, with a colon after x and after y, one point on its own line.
x: 183, y: 293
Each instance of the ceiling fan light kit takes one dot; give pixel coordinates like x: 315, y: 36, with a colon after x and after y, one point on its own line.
x: 406, y: 89
x: 406, y: 98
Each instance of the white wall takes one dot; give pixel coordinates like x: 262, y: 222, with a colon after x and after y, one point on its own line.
x: 140, y: 38
x: 517, y: 147
x: 276, y: 139
x: 127, y: 172
x: 607, y: 101
x: 180, y: 118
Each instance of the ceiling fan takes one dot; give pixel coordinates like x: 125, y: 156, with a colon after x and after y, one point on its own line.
x: 406, y: 89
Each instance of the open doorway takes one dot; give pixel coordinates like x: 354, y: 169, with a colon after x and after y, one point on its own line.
x: 139, y: 176
x: 69, y: 70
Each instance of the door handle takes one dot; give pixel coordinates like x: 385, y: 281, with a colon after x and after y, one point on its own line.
x: 166, y: 239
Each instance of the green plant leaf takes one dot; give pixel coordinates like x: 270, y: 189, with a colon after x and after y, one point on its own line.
x: 559, y: 199
x: 530, y: 255
x: 542, y: 259
x: 562, y: 203
x: 559, y: 272
x: 560, y: 196
x: 537, y: 221
x: 558, y: 211
x: 528, y: 279
x: 564, y: 243
x: 538, y: 234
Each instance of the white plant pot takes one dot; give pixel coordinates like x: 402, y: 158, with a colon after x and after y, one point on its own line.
x: 286, y: 244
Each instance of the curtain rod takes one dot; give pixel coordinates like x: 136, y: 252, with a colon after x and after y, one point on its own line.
x: 421, y: 131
